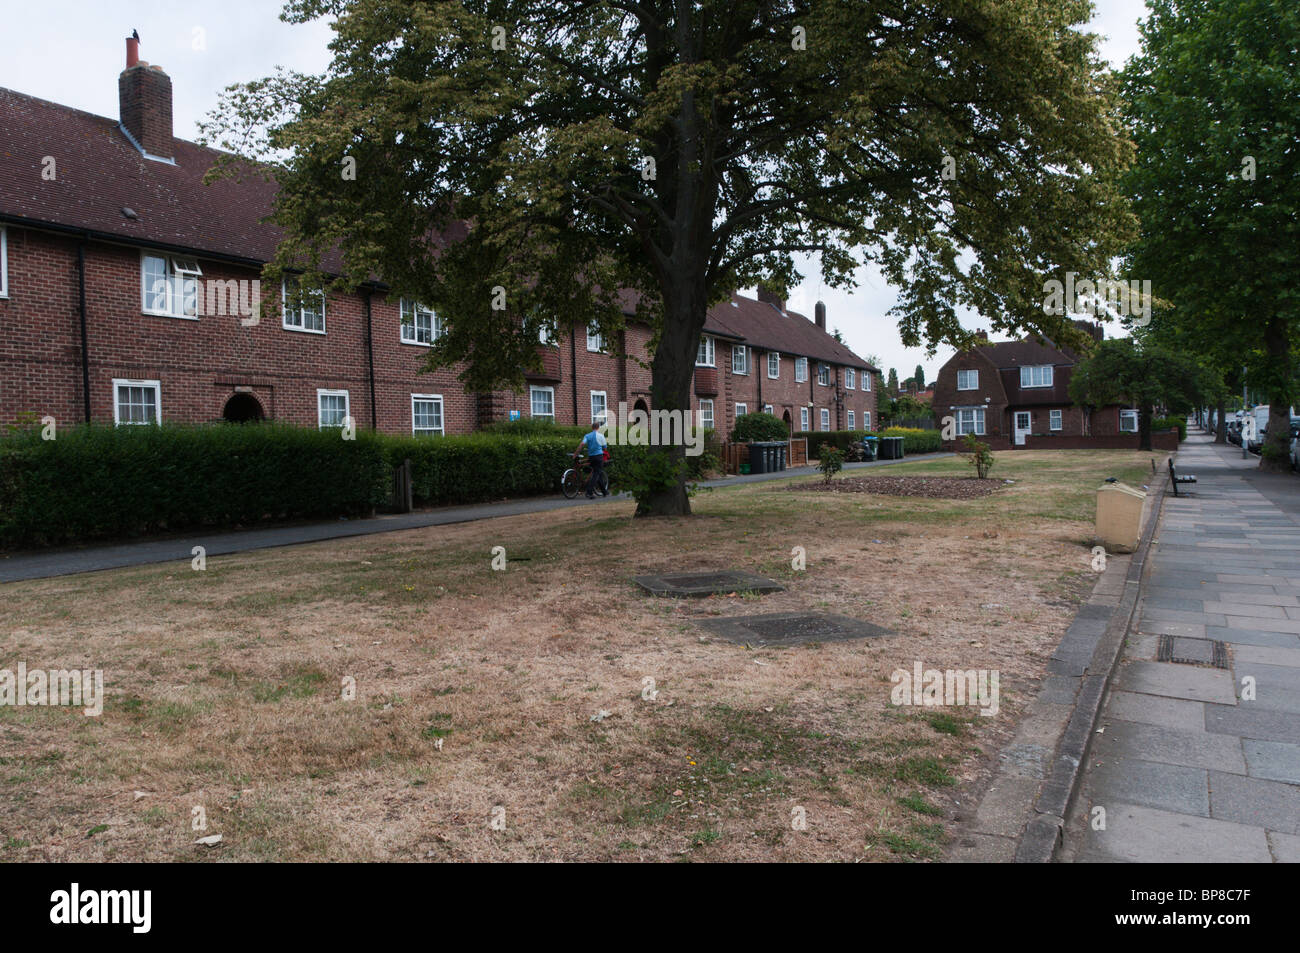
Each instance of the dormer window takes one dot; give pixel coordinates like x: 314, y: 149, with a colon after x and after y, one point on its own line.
x: 1038, y: 375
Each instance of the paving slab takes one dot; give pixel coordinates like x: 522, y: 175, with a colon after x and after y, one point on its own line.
x: 1141, y: 834
x: 1266, y: 655
x: 1276, y: 686
x: 1251, y: 721
x: 1186, y: 716
x: 1170, y: 787
x: 1284, y: 640
x: 1272, y: 760
x: 1263, y: 804
x: 1193, y: 749
x: 1286, y: 847
x: 1178, y: 681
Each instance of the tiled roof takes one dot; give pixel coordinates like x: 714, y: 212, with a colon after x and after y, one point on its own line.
x: 98, y: 172
x: 1009, y: 354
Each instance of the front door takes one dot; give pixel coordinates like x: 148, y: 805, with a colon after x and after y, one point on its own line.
x: 1022, y: 427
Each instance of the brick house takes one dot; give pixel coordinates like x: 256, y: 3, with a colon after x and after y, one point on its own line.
x: 113, y: 251
x: 1016, y: 394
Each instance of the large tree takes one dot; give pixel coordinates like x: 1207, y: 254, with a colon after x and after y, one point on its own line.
x: 1214, y: 105
x: 518, y: 162
x: 1120, y: 371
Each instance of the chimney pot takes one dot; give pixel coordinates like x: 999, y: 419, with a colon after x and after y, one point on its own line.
x: 820, y: 314
x: 132, y: 51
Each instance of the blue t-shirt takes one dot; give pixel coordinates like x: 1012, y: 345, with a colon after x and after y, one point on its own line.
x: 595, y: 443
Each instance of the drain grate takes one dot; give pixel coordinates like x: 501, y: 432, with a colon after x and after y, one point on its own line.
x: 791, y: 628
x: 1184, y: 651
x: 706, y: 583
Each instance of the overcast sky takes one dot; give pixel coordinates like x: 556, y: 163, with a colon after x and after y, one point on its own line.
x: 70, y: 52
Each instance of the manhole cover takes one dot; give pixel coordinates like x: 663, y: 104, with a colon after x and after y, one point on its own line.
x: 1184, y: 651
x: 706, y: 583
x: 791, y: 628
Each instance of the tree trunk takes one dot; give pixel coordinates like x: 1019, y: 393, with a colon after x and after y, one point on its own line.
x: 1144, y: 427
x: 1275, y: 452
x: 672, y: 373
x: 1221, y: 425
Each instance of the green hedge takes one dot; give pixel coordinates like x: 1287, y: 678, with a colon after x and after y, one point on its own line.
x: 97, y: 481
x: 1169, y: 423
x: 760, y: 427
x: 924, y: 441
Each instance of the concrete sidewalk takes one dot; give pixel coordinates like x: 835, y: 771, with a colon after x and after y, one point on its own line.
x: 1186, y: 765
x: 63, y: 562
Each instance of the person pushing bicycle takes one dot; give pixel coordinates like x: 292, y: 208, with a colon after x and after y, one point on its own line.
x: 594, y: 444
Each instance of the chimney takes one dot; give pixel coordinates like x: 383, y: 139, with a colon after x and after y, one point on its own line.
x: 982, y: 334
x: 144, y: 96
x: 769, y: 298
x: 820, y: 312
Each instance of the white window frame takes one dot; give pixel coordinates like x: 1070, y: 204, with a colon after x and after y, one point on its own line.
x: 1055, y: 418
x: 1027, y: 374
x: 532, y: 402
x: 741, y: 410
x: 603, y: 416
x: 866, y: 380
x: 853, y: 420
x: 416, y: 312
x: 804, y: 419
x: 595, y: 342
x: 824, y: 419
x: 1130, y: 413
x: 774, y: 365
x: 706, y: 421
x: 823, y: 375
x: 767, y: 408
x: 850, y: 379
x: 704, y: 354
x: 969, y: 370
x: 801, y: 370
x: 741, y: 351
x: 177, y: 271
x: 442, y: 418
x: 347, y: 407
x: 155, y: 386
x: 866, y: 421
x: 977, y: 421
x: 4, y: 263
x: 285, y: 311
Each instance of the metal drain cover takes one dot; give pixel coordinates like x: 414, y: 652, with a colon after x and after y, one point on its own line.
x: 1184, y: 651
x: 791, y: 628
x: 707, y: 583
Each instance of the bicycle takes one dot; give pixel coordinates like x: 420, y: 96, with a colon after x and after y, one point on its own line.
x: 575, y: 478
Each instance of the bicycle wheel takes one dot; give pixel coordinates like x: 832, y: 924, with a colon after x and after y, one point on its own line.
x: 604, y: 481
x: 571, y: 483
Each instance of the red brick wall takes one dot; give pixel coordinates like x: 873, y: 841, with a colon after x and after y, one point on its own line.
x: 200, y: 363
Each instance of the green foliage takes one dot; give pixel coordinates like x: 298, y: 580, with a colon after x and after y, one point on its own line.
x: 978, y: 455
x: 830, y: 460
x: 476, y: 468
x: 536, y: 427
x: 759, y: 427
x: 1170, y: 423
x: 914, y: 441
x: 97, y: 481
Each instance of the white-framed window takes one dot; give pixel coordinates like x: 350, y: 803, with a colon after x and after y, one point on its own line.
x: 800, y: 369
x: 545, y: 333
x: 742, y: 409
x: 599, y: 407
x: 595, y: 342
x: 1128, y: 421
x: 970, y: 379
x: 426, y: 415
x: 850, y: 378
x: 774, y: 365
x: 803, y: 419
x: 541, y: 402
x: 706, y: 413
x: 4, y: 264
x: 739, y: 359
x: 332, y: 408
x: 866, y: 380
x: 825, y: 419
x: 853, y: 421
x: 824, y: 375
x: 169, y: 285
x: 767, y: 408
x: 866, y: 420
x: 1054, y: 419
x: 137, y: 402
x: 1036, y: 375
x: 303, y: 310
x: 970, y: 420
x: 704, y: 356
x: 420, y: 325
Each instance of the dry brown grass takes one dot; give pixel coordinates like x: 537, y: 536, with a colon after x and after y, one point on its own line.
x: 224, y: 685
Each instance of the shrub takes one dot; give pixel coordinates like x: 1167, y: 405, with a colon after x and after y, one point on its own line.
x: 1169, y: 423
x: 475, y: 468
x: 830, y: 460
x: 978, y: 455
x: 914, y: 441
x: 759, y: 427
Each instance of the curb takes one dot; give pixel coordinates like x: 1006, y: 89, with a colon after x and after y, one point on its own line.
x: 1043, y: 834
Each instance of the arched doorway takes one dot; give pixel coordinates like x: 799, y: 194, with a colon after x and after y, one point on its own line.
x: 641, y: 406
x: 786, y: 417
x: 242, y: 409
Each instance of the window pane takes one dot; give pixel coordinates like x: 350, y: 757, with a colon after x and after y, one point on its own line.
x: 773, y: 365
x: 543, y: 402
x: 155, y: 283
x: 426, y: 416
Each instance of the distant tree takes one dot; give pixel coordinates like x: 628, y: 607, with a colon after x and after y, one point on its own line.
x: 919, y: 377
x: 1121, y: 372
x: 892, y: 387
